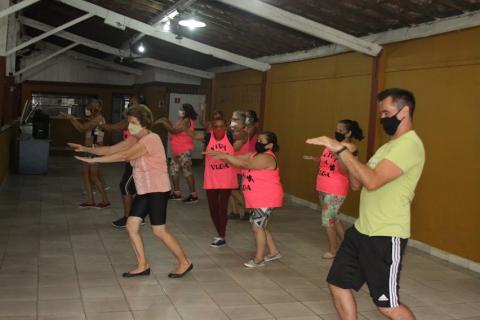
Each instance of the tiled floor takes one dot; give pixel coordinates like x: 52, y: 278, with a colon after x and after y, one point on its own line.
x: 60, y: 262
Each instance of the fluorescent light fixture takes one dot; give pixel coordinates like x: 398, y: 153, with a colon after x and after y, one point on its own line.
x: 173, y: 14
x: 166, y: 26
x: 141, y: 48
x: 170, y: 16
x: 192, y: 23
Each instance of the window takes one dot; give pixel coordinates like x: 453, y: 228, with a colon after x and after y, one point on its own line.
x: 52, y: 104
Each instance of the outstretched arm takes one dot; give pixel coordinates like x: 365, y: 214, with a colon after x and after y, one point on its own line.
x: 101, y: 151
x: 173, y: 129
x: 261, y: 161
x: 134, y: 152
x: 372, y: 179
x: 121, y: 125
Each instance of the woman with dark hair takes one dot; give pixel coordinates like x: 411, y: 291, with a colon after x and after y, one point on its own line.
x: 182, y: 147
x: 144, y: 150
x: 251, y: 122
x: 333, y: 183
x: 262, y: 191
x: 219, y: 178
x: 93, y: 134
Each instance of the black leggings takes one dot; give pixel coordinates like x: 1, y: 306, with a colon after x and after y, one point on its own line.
x: 152, y: 204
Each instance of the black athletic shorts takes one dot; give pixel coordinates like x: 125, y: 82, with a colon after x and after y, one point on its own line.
x: 152, y: 204
x: 374, y: 260
x: 127, y: 185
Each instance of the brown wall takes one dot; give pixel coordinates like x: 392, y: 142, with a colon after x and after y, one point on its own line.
x: 305, y: 99
x: 444, y: 74
x: 240, y: 90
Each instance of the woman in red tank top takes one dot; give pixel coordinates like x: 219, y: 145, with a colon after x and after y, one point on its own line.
x: 262, y: 190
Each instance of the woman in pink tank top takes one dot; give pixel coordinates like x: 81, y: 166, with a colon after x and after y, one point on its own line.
x: 332, y: 184
x: 182, y: 147
x: 262, y: 190
x: 219, y: 177
x: 145, y: 151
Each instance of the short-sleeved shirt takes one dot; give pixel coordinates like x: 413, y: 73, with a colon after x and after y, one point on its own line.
x: 386, y: 211
x: 150, y: 170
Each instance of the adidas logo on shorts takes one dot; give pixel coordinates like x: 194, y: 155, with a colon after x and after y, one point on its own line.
x: 383, y: 298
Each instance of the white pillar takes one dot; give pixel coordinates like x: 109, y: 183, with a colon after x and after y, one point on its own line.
x: 9, y: 30
x: 12, y: 41
x: 3, y: 27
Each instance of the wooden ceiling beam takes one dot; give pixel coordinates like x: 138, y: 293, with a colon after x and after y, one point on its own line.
x: 100, y: 62
x: 16, y: 7
x: 50, y: 33
x: 152, y: 31
x: 118, y: 52
x: 305, y: 25
x: 45, y: 59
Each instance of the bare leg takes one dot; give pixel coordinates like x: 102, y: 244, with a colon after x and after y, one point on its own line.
x: 173, y: 245
x: 401, y: 312
x: 127, y: 204
x: 176, y: 182
x: 344, y: 302
x: 340, y: 229
x: 232, y: 205
x: 94, y: 170
x: 260, y: 242
x: 190, y: 182
x: 133, y: 229
x: 272, y: 247
x: 237, y: 198
x: 87, y: 183
x: 332, y: 239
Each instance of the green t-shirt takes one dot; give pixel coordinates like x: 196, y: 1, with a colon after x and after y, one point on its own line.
x: 386, y: 211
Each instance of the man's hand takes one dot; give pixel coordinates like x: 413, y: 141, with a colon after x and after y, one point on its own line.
x: 327, y: 142
x: 76, y: 147
x: 85, y: 159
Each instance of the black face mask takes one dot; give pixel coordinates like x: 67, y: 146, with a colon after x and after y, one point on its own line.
x: 390, y: 124
x: 260, y: 147
x: 339, y: 136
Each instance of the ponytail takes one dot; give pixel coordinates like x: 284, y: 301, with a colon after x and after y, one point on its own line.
x: 354, y: 127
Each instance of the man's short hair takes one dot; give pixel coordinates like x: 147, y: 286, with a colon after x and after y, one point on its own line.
x: 400, y: 98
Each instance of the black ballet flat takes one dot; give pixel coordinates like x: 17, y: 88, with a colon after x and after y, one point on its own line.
x: 146, y: 272
x: 179, y: 275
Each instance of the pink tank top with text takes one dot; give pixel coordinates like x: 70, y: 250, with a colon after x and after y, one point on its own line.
x: 262, y: 188
x: 218, y: 174
x: 182, y: 142
x: 330, y: 177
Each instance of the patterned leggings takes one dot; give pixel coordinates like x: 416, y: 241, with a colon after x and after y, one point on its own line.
x: 330, y: 205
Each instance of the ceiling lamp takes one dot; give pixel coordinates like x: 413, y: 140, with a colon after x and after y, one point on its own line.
x: 166, y: 26
x: 141, y: 48
x: 191, y: 23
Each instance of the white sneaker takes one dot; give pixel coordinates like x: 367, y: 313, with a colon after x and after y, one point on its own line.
x: 272, y: 258
x: 252, y: 264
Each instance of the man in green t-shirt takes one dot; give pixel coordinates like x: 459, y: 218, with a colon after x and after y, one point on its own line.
x: 373, y: 248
